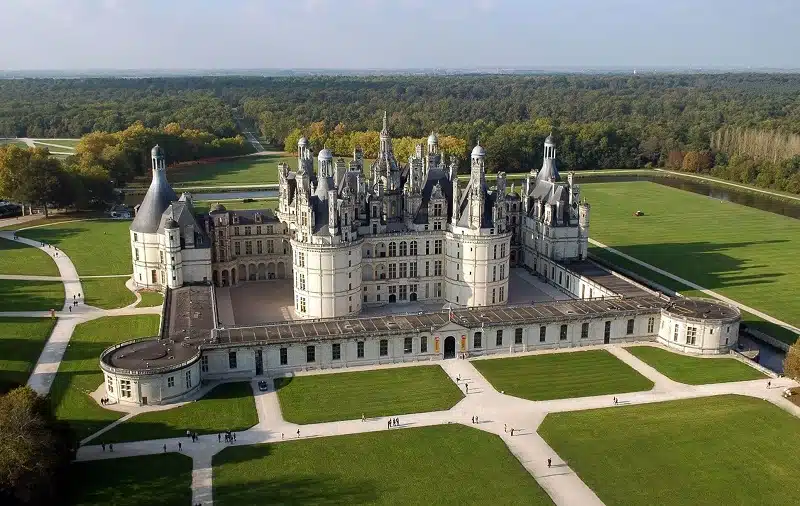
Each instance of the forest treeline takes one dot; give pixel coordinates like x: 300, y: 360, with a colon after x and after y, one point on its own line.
x: 102, y: 162
x: 600, y: 121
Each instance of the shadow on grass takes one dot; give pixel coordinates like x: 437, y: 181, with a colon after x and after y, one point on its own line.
x: 320, y: 489
x: 17, y: 295
x: 282, y: 382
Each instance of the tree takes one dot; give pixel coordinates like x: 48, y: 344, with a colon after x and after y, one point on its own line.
x: 35, y: 449
x: 791, y: 364
x: 30, y: 176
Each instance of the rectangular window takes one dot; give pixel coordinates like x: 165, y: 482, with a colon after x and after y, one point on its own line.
x: 235, y: 230
x: 188, y: 379
x: 258, y: 230
x: 270, y: 246
x: 247, y: 230
x: 259, y: 247
x: 237, y: 248
x: 427, y: 247
x: 691, y: 335
x: 477, y: 340
x: 438, y: 288
x: 248, y: 247
x: 494, y: 293
x: 125, y: 388
x: 360, y: 349
x: 607, y: 331
x: 629, y: 330
x: 403, y: 294
x: 423, y: 343
x: 232, y: 360
x: 302, y: 304
x: 270, y: 230
x: 498, y: 341
x: 651, y: 323
x: 437, y: 268
x: 563, y: 333
x: 204, y: 363
x: 437, y: 225
x: 403, y: 269
x: 502, y: 293
x: 675, y: 334
x: 503, y: 250
x: 171, y: 382
x: 412, y: 269
x: 284, y: 353
x: 392, y: 271
x: 301, y: 281
x: 542, y: 333
x: 311, y: 354
x: 137, y: 253
x: 495, y: 251
x: 494, y: 273
x: 427, y: 268
x: 384, y: 347
x: 584, y: 330
x: 301, y: 259
x: 437, y: 247
x: 336, y: 351
x: 408, y: 345
x: 110, y: 384
x: 518, y: 336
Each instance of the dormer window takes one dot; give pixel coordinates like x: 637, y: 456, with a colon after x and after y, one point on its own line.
x: 258, y: 218
x: 235, y: 219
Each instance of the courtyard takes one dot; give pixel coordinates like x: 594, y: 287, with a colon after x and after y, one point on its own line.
x: 431, y: 465
x: 678, y: 452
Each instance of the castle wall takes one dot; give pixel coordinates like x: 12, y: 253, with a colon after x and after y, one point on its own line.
x: 327, y: 279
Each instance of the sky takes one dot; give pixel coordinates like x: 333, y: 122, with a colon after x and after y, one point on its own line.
x: 386, y: 34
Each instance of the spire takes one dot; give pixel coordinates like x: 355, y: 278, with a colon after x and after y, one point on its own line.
x: 385, y: 131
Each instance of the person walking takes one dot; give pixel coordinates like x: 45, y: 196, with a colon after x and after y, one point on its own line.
x: 549, y: 463
x: 219, y: 437
x: 165, y: 448
x: 389, y: 423
x: 298, y: 432
x: 179, y: 446
x: 234, y: 437
x: 769, y: 384
x: 467, y: 386
x: 512, y: 431
x: 103, y: 445
x: 505, y: 427
x: 476, y: 419
x: 111, y: 448
x: 363, y: 418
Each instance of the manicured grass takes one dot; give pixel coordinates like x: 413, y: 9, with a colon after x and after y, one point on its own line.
x: 21, y: 343
x: 96, y: 247
x: 738, y: 251
x: 203, y: 206
x: 107, y: 293
x: 562, y: 375
x: 383, y: 392
x: 154, y: 480
x: 16, y: 295
x: 79, y: 374
x: 13, y: 142
x: 446, y: 464
x: 694, y: 370
x: 68, y: 144
x: 53, y: 219
x: 725, y: 450
x: 260, y: 169
x: 17, y: 258
x: 229, y: 406
x: 150, y: 299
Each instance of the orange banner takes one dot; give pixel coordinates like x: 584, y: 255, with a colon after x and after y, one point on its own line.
x: 436, y: 344
x: 463, y: 343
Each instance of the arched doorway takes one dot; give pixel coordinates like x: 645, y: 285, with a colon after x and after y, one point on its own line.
x: 412, y: 296
x: 233, y: 276
x: 392, y: 298
x: 450, y: 347
x: 271, y: 270
x: 281, y: 270
x: 262, y: 271
x: 252, y: 276
x: 225, y: 278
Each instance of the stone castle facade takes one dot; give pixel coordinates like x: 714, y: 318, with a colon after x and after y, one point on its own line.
x: 401, y: 232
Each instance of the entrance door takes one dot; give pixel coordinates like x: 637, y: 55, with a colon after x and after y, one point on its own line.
x: 259, y: 363
x: 450, y: 347
x: 393, y: 298
x: 144, y: 401
x: 606, y: 339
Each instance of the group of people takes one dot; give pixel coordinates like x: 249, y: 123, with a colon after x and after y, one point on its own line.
x: 230, y: 437
x: 505, y: 428
x: 393, y: 422
x: 104, y: 401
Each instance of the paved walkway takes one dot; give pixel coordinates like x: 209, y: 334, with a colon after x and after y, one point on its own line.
x: 697, y: 287
x: 498, y: 414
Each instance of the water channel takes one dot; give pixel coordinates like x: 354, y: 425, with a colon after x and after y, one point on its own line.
x: 770, y: 357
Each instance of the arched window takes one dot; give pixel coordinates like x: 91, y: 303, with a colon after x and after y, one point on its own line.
x: 412, y: 250
x: 403, y: 249
x: 392, y: 249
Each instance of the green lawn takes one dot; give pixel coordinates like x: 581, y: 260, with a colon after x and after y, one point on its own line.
x: 107, y: 293
x: 735, y: 250
x: 229, y: 406
x: 96, y: 247
x: 562, y: 375
x: 150, y: 299
x: 726, y: 451
x: 17, y: 258
x: 262, y: 169
x: 152, y: 480
x: 203, y: 206
x: 13, y: 142
x: 51, y: 220
x: 68, y: 144
x: 694, y: 370
x: 79, y: 373
x: 446, y: 464
x: 383, y: 392
x: 21, y: 343
x: 16, y: 295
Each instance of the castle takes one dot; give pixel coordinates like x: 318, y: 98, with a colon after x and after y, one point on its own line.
x: 401, y: 233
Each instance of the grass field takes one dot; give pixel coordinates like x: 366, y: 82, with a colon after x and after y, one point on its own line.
x: 51, y: 220
x: 84, y: 240
x: 446, y: 464
x: 13, y: 142
x: 67, y: 144
x: 17, y: 258
x: 260, y: 169
x: 694, y: 370
x: 107, y: 293
x: 725, y: 450
x: 735, y: 250
x: 21, y: 343
x: 16, y: 295
x: 203, y: 206
x: 79, y: 373
x: 229, y: 406
x: 152, y: 480
x: 562, y: 375
x: 383, y: 392
x: 150, y: 299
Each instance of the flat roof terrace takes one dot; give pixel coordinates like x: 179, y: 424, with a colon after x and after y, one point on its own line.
x: 300, y: 330
x: 607, y: 279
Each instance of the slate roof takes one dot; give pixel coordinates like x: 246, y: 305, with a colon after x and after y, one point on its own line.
x: 157, y: 199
